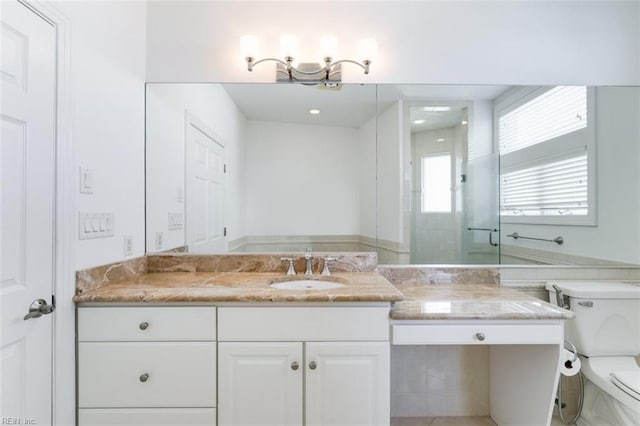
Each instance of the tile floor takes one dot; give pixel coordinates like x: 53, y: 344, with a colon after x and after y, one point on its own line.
x: 442, y: 421
x: 452, y: 421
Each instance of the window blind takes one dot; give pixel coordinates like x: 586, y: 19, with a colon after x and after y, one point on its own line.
x: 554, y: 188
x: 554, y: 113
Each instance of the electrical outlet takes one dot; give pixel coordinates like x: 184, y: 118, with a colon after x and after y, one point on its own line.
x: 159, y: 242
x: 128, y: 245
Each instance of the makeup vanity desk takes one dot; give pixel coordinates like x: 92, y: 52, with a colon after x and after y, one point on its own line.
x: 525, y: 335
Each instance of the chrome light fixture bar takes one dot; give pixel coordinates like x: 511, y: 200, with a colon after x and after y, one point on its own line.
x: 307, y: 72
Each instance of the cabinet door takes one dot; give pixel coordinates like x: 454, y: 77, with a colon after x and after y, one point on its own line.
x: 260, y: 383
x: 347, y: 383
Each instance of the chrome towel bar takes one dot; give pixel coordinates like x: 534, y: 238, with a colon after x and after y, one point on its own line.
x: 558, y: 240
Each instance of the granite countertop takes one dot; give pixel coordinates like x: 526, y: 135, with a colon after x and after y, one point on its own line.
x: 239, y: 287
x: 470, y: 301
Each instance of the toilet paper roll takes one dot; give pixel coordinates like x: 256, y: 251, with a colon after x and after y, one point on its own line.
x: 568, y: 366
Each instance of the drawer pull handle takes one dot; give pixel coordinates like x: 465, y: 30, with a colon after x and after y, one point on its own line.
x: 294, y: 365
x: 144, y: 377
x: 313, y: 365
x: 480, y: 336
x: 143, y: 325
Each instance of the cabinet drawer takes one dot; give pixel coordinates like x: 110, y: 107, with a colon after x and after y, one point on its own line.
x: 477, y: 334
x: 146, y: 416
x: 146, y: 323
x: 110, y: 374
x: 303, y: 324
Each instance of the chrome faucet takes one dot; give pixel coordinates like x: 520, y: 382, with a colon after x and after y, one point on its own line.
x: 308, y: 256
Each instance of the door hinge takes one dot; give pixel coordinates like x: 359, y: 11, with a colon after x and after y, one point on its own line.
x: 224, y: 232
x: 225, y: 168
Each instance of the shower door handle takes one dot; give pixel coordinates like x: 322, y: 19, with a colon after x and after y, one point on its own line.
x: 491, y: 231
x: 491, y: 237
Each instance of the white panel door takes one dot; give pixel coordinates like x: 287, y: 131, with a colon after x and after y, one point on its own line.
x: 27, y: 161
x: 260, y: 383
x: 205, y: 189
x: 347, y: 383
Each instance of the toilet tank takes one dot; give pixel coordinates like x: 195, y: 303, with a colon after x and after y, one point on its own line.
x: 607, y: 316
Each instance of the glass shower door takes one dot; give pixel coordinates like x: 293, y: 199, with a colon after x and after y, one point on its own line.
x: 481, y: 232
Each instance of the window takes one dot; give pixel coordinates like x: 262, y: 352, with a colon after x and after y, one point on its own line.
x: 556, y: 112
x: 436, y: 183
x: 546, y: 140
x: 557, y: 188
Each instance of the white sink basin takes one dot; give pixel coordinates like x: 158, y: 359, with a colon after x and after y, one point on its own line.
x: 306, y: 285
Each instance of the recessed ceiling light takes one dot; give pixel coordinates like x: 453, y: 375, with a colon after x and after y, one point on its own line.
x: 440, y: 140
x: 418, y: 121
x: 314, y: 111
x: 436, y: 108
x: 464, y: 122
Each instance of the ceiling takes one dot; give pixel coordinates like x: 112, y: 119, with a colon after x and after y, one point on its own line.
x: 349, y: 105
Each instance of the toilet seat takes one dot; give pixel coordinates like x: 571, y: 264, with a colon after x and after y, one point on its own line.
x: 628, y: 381
x: 599, y: 371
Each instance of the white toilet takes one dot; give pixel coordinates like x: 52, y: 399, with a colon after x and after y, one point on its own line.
x: 606, y: 333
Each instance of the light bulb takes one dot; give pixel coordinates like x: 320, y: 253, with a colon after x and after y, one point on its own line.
x: 328, y: 47
x: 368, y: 49
x: 288, y: 45
x: 249, y: 46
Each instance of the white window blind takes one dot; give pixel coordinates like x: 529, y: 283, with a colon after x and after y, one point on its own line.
x: 554, y: 188
x: 554, y: 113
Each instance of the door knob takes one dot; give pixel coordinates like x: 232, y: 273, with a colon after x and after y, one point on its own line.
x: 39, y: 307
x: 313, y: 365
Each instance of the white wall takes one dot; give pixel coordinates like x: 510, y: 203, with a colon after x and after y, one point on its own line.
x: 166, y: 108
x: 617, y: 234
x: 390, y: 149
x: 107, y: 54
x: 520, y: 42
x: 367, y: 178
x: 301, y: 179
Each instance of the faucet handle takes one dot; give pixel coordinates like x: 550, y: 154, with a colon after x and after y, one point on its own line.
x: 325, y: 269
x: 292, y: 269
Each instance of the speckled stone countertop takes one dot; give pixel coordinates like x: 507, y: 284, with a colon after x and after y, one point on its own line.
x: 239, y: 287
x: 470, y: 301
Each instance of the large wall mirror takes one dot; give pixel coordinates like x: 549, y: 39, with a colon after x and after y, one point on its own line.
x: 422, y: 174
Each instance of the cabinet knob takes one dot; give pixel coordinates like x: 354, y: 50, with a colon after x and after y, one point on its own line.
x: 313, y: 365
x: 480, y: 336
x: 294, y: 365
x: 144, y: 377
x: 143, y: 325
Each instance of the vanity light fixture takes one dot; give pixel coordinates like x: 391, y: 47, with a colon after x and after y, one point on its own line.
x: 314, y: 111
x: 464, y: 122
x: 440, y: 140
x: 328, y: 71
x: 418, y: 121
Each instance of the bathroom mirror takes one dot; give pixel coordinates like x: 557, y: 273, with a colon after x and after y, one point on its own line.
x: 422, y: 174
x: 261, y: 167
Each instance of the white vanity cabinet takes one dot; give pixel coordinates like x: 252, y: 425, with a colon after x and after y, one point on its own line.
x: 303, y: 365
x: 146, y: 365
x: 524, y: 360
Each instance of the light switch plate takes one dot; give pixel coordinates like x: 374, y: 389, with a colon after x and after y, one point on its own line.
x: 86, y: 181
x: 176, y: 221
x: 95, y: 225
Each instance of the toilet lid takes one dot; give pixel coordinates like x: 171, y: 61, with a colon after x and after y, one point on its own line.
x: 628, y: 381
